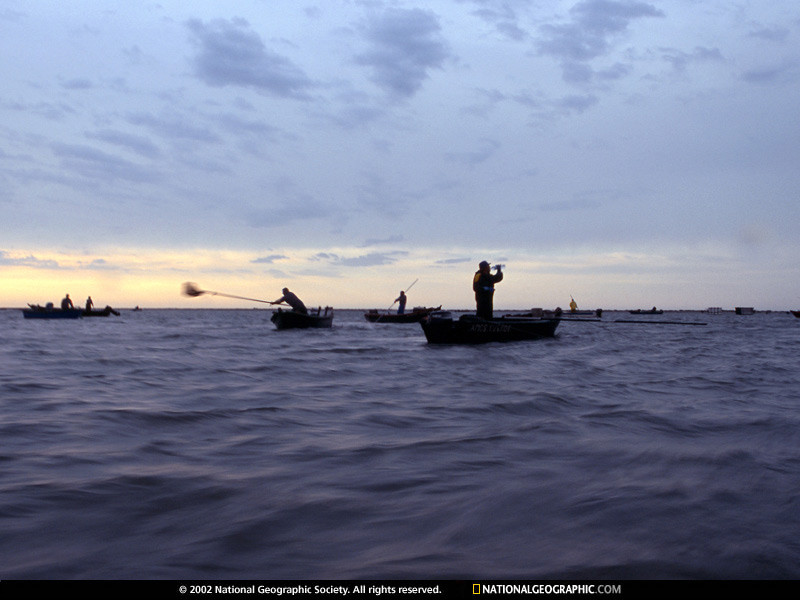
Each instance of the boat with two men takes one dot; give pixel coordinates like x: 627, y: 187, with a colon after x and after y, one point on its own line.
x: 48, y: 311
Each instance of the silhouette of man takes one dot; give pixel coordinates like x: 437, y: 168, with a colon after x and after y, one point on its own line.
x: 401, y: 308
x: 293, y: 301
x: 483, y: 286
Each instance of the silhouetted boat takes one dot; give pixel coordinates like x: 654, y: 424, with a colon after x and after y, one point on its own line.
x: 652, y: 311
x: 796, y: 313
x: 289, y: 319
x: 744, y: 310
x: 50, y: 312
x: 441, y: 328
x: 576, y: 312
x: 415, y: 316
x: 100, y: 313
x: 584, y: 313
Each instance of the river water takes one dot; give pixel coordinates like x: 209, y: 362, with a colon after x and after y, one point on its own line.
x: 204, y: 444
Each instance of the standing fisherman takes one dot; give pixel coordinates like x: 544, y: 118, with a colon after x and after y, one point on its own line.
x: 483, y: 286
x: 401, y: 308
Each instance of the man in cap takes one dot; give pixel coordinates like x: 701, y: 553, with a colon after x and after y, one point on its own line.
x: 483, y: 286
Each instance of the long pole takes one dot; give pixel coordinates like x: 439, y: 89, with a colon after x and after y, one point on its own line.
x: 190, y: 289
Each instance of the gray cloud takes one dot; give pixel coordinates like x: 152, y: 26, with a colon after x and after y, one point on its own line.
x: 98, y: 264
x: 49, y: 110
x: 245, y: 127
x: 371, y: 259
x: 174, y: 127
x: 486, y: 150
x: 394, y: 239
x: 680, y: 60
x: 365, y: 260
x: 269, y: 259
x: 452, y: 261
x: 96, y: 164
x: 324, y: 256
x: 588, y: 34
x: 404, y: 45
x: 26, y: 261
x: 576, y: 104
x: 135, y: 143
x: 771, y: 34
x: 296, y: 207
x: 503, y: 15
x: 77, y: 84
x: 231, y: 53
x: 769, y: 74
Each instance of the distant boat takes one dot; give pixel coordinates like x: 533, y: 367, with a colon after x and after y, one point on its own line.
x: 415, y: 316
x: 441, y: 328
x: 585, y: 313
x: 576, y: 312
x: 651, y: 311
x: 744, y: 310
x: 50, y: 312
x: 796, y: 313
x: 289, y: 319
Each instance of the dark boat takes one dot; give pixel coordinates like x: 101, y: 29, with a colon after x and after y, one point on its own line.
x: 652, y: 311
x: 441, y: 328
x: 289, y: 319
x: 796, y: 313
x: 415, y: 316
x: 598, y: 312
x: 49, y: 312
x: 100, y: 313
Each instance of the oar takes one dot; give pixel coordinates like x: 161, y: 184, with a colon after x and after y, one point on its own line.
x: 404, y: 291
x: 191, y: 289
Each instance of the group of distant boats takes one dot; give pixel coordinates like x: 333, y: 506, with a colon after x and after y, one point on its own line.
x: 439, y: 327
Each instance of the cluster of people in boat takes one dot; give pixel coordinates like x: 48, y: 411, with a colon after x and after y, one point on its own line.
x: 88, y: 309
x: 66, y: 303
x: 482, y: 284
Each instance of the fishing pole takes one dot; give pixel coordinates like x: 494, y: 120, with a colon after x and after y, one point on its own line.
x: 191, y: 289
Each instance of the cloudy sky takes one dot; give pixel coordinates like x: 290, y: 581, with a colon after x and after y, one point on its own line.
x: 628, y: 153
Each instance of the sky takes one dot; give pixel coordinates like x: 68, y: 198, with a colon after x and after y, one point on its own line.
x: 625, y: 153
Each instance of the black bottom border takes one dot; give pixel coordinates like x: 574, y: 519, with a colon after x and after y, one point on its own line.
x: 478, y: 589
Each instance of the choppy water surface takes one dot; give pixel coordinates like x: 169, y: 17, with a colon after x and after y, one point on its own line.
x: 206, y: 444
